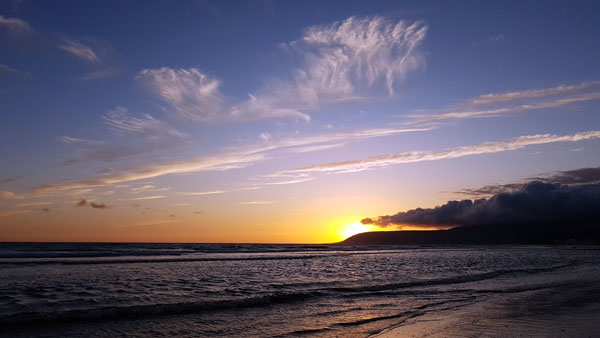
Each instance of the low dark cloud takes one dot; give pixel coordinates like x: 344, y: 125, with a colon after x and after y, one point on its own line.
x: 536, y: 202
x: 83, y: 202
x: 46, y: 210
x: 198, y: 212
x: 570, y: 177
x: 577, y: 176
x: 98, y: 205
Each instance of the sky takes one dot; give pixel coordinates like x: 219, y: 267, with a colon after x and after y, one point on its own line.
x: 283, y: 121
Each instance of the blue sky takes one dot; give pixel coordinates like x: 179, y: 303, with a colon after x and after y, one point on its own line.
x: 277, y: 109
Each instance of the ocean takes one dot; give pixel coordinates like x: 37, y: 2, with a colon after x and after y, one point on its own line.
x: 233, y: 290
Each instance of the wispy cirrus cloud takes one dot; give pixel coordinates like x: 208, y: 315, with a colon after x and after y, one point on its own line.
x: 10, y: 179
x: 146, y: 198
x: 202, y: 193
x: 95, y: 56
x: 7, y: 195
x: 155, y: 222
x: 7, y: 213
x: 256, y: 202
x: 216, y: 192
x: 34, y: 204
x: 231, y: 158
x: 15, y: 26
x: 419, y: 156
x: 147, y: 188
x: 528, y: 100
x: 120, y: 120
x: 493, y: 98
x: 149, y: 134
x: 80, y: 50
x: 189, y: 92
x: 221, y: 162
x: 420, y: 119
x: 11, y: 73
x: 79, y: 141
x: 328, y: 140
x: 340, y: 61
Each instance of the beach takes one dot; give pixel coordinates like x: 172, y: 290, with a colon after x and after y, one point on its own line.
x: 554, y: 312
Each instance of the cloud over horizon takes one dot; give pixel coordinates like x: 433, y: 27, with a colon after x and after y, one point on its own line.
x: 570, y: 177
x: 535, y: 203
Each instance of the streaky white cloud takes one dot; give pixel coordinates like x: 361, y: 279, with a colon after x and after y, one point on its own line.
x: 494, y: 98
x: 340, y: 61
x: 7, y: 213
x: 79, y: 50
x: 266, y: 136
x: 497, y: 38
x: 11, y: 73
x: 155, y: 135
x: 144, y: 198
x: 156, y: 222
x: 190, y: 93
x: 14, y: 25
x: 256, y: 202
x: 232, y: 158
x: 329, y: 140
x: 148, y: 188
x: 7, y: 195
x: 34, y: 204
x: 10, y: 179
x: 79, y: 141
x: 419, y: 156
x: 202, y: 193
x: 222, y: 162
x: 300, y: 179
x: 97, y: 57
x: 422, y: 119
x: 309, y: 149
x: 144, y: 187
x: 216, y: 192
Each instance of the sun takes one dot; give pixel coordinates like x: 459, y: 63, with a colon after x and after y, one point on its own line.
x: 354, y: 228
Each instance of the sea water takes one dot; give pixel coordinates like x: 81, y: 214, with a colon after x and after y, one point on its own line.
x: 221, y: 290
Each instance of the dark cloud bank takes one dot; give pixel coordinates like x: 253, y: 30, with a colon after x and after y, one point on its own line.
x: 536, y: 212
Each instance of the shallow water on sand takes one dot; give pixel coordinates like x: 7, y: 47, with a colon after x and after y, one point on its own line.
x: 143, y: 290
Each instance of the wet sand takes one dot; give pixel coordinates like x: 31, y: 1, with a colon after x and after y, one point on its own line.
x: 569, y: 311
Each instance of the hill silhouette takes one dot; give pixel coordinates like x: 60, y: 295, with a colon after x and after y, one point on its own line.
x: 489, y: 234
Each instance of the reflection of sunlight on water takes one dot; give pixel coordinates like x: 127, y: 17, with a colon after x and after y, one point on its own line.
x: 354, y: 228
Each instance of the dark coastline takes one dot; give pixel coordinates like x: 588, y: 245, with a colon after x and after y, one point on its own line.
x: 521, y: 234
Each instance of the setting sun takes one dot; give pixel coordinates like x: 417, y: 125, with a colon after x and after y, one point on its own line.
x: 354, y: 228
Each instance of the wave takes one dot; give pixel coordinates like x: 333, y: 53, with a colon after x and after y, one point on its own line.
x: 143, y: 311
x: 443, y: 281
x: 150, y: 310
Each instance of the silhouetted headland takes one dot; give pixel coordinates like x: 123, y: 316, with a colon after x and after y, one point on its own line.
x: 490, y: 234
